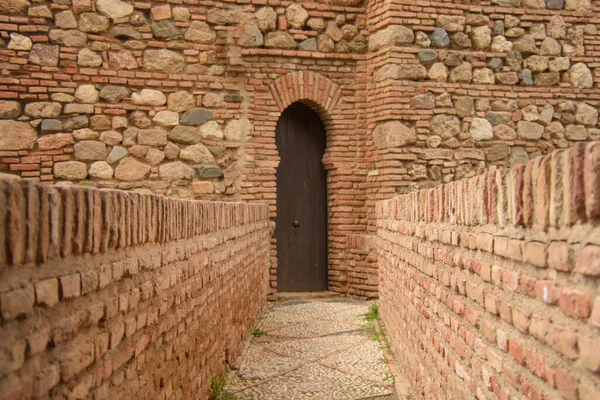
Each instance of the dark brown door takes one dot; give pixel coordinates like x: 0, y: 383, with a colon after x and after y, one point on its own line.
x: 301, y: 222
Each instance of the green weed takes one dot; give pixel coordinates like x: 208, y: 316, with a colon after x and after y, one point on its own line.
x: 258, y: 332
x: 217, y: 388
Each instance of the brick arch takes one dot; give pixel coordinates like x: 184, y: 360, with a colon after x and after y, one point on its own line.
x: 307, y: 87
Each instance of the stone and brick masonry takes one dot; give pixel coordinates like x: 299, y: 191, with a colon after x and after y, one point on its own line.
x: 489, y: 285
x: 107, y: 294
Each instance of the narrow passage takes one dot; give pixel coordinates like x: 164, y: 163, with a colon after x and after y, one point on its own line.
x: 320, y: 349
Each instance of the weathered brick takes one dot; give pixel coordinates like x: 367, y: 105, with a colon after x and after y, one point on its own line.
x: 17, y: 303
x: 574, y: 303
x: 588, y: 262
x: 46, y: 292
x: 70, y: 286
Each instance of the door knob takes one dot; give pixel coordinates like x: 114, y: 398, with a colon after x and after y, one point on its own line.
x: 296, y: 223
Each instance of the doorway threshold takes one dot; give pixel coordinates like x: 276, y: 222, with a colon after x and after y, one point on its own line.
x: 287, y: 296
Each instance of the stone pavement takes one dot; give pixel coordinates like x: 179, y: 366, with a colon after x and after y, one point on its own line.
x: 320, y: 349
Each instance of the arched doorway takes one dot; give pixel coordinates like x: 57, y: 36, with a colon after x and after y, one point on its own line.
x: 301, y: 221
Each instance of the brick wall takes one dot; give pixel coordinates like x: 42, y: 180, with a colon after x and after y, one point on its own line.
x: 110, y: 294
x: 182, y: 98
x: 489, y: 285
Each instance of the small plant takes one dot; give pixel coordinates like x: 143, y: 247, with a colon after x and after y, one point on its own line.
x: 217, y: 388
x: 384, y: 360
x: 258, y: 332
x: 373, y: 313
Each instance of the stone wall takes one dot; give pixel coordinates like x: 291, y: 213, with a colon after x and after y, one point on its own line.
x: 108, y: 294
x: 183, y: 99
x: 489, y: 285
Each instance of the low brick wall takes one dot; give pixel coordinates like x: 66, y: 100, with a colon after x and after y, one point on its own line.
x: 489, y: 286
x: 108, y: 294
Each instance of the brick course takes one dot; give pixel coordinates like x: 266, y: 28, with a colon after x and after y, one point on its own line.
x: 108, y: 294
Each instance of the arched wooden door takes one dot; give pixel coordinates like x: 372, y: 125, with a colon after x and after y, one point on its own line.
x: 301, y: 222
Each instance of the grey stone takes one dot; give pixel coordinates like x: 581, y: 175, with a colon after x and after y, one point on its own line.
x: 51, y: 125
x: 439, y: 38
x: 497, y: 118
x: 114, y: 94
x: 526, y: 77
x: 117, y: 153
x: 514, y: 60
x: 427, y: 56
x: 308, y: 45
x: 78, y: 122
x: 208, y: 172
x: 555, y: 4
x: 165, y: 29
x: 498, y: 29
x: 495, y: 64
x: 453, y: 59
x: 195, y: 116
x: 497, y: 152
x: 125, y: 32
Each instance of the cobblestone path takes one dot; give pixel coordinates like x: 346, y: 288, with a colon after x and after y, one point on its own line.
x: 321, y: 349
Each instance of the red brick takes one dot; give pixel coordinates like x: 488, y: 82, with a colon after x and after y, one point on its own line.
x: 535, y: 253
x: 574, y: 303
x: 559, y: 256
x: 588, y: 262
x: 590, y: 352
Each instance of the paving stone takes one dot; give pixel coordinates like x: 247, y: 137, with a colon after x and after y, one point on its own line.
x: 312, y: 350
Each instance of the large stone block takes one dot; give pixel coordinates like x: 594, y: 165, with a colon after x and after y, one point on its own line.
x: 393, y: 134
x: 16, y: 135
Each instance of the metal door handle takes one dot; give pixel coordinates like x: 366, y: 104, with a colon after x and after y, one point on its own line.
x: 296, y: 223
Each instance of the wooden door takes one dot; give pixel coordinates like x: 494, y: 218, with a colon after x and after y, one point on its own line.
x: 301, y: 222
